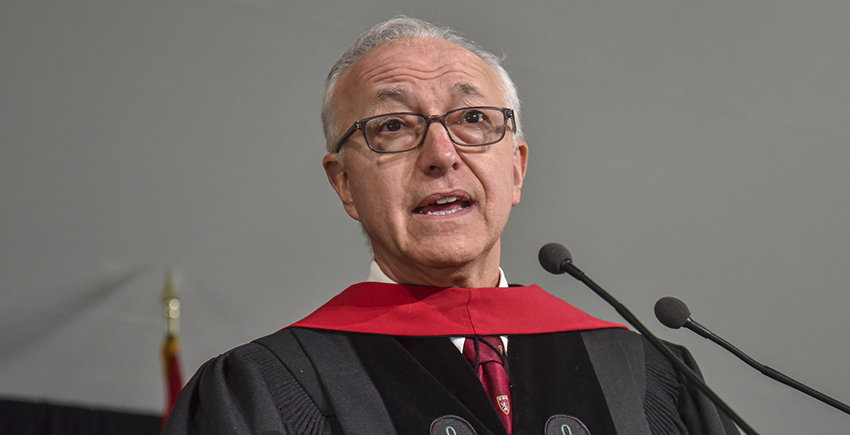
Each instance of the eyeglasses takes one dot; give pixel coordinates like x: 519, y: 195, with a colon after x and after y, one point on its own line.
x: 400, y: 132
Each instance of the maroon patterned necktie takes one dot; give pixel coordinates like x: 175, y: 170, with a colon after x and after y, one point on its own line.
x: 485, y: 354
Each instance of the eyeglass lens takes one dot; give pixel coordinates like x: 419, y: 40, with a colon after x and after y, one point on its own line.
x: 468, y: 127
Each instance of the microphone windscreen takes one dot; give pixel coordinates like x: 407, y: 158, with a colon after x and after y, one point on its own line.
x: 672, y: 312
x: 552, y: 256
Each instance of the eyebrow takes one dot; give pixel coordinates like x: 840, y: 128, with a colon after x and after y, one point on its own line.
x: 467, y: 90
x: 391, y: 94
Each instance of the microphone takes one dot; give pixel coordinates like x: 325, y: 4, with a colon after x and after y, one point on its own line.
x: 556, y: 259
x: 673, y: 313
x: 552, y: 256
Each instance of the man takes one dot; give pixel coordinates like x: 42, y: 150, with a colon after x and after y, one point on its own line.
x: 426, y: 152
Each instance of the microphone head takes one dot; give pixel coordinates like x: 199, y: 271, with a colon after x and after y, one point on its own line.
x: 672, y: 312
x: 552, y: 256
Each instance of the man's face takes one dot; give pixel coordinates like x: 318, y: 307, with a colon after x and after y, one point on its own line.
x: 468, y: 191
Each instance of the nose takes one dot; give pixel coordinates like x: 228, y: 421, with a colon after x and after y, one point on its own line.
x: 438, y: 153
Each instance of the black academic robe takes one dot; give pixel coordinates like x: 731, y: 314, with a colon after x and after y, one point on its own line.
x: 304, y: 380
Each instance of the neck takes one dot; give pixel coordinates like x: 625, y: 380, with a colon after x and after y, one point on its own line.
x: 464, y: 276
x: 444, y: 277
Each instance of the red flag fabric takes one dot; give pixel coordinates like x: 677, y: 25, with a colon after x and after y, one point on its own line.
x: 172, y: 373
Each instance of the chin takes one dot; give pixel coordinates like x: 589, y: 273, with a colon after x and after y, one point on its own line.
x: 456, y: 256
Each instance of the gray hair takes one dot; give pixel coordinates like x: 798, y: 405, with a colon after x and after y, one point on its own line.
x: 404, y: 27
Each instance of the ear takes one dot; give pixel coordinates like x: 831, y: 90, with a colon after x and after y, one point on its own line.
x: 338, y: 177
x: 520, y: 165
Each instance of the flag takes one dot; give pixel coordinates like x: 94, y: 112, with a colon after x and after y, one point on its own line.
x: 171, y: 346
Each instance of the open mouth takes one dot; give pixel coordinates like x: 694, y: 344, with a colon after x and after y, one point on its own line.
x: 443, y: 206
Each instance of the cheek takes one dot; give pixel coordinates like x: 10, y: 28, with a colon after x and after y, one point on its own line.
x: 376, y: 198
x: 498, y: 179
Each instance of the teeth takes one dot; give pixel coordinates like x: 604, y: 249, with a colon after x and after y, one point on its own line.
x: 447, y: 200
x: 444, y: 212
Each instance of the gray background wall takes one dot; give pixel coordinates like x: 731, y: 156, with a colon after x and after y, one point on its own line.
x: 695, y: 149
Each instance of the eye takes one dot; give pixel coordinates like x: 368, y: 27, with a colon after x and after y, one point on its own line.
x: 474, y: 116
x: 391, y: 125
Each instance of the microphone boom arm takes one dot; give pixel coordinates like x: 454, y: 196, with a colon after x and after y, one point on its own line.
x: 575, y: 272
x: 765, y: 370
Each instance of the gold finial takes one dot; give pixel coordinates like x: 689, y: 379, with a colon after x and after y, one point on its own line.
x: 170, y: 307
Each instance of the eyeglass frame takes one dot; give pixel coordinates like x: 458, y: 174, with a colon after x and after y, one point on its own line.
x: 359, y: 125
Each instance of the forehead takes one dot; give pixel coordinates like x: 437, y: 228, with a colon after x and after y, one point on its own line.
x: 418, y: 73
